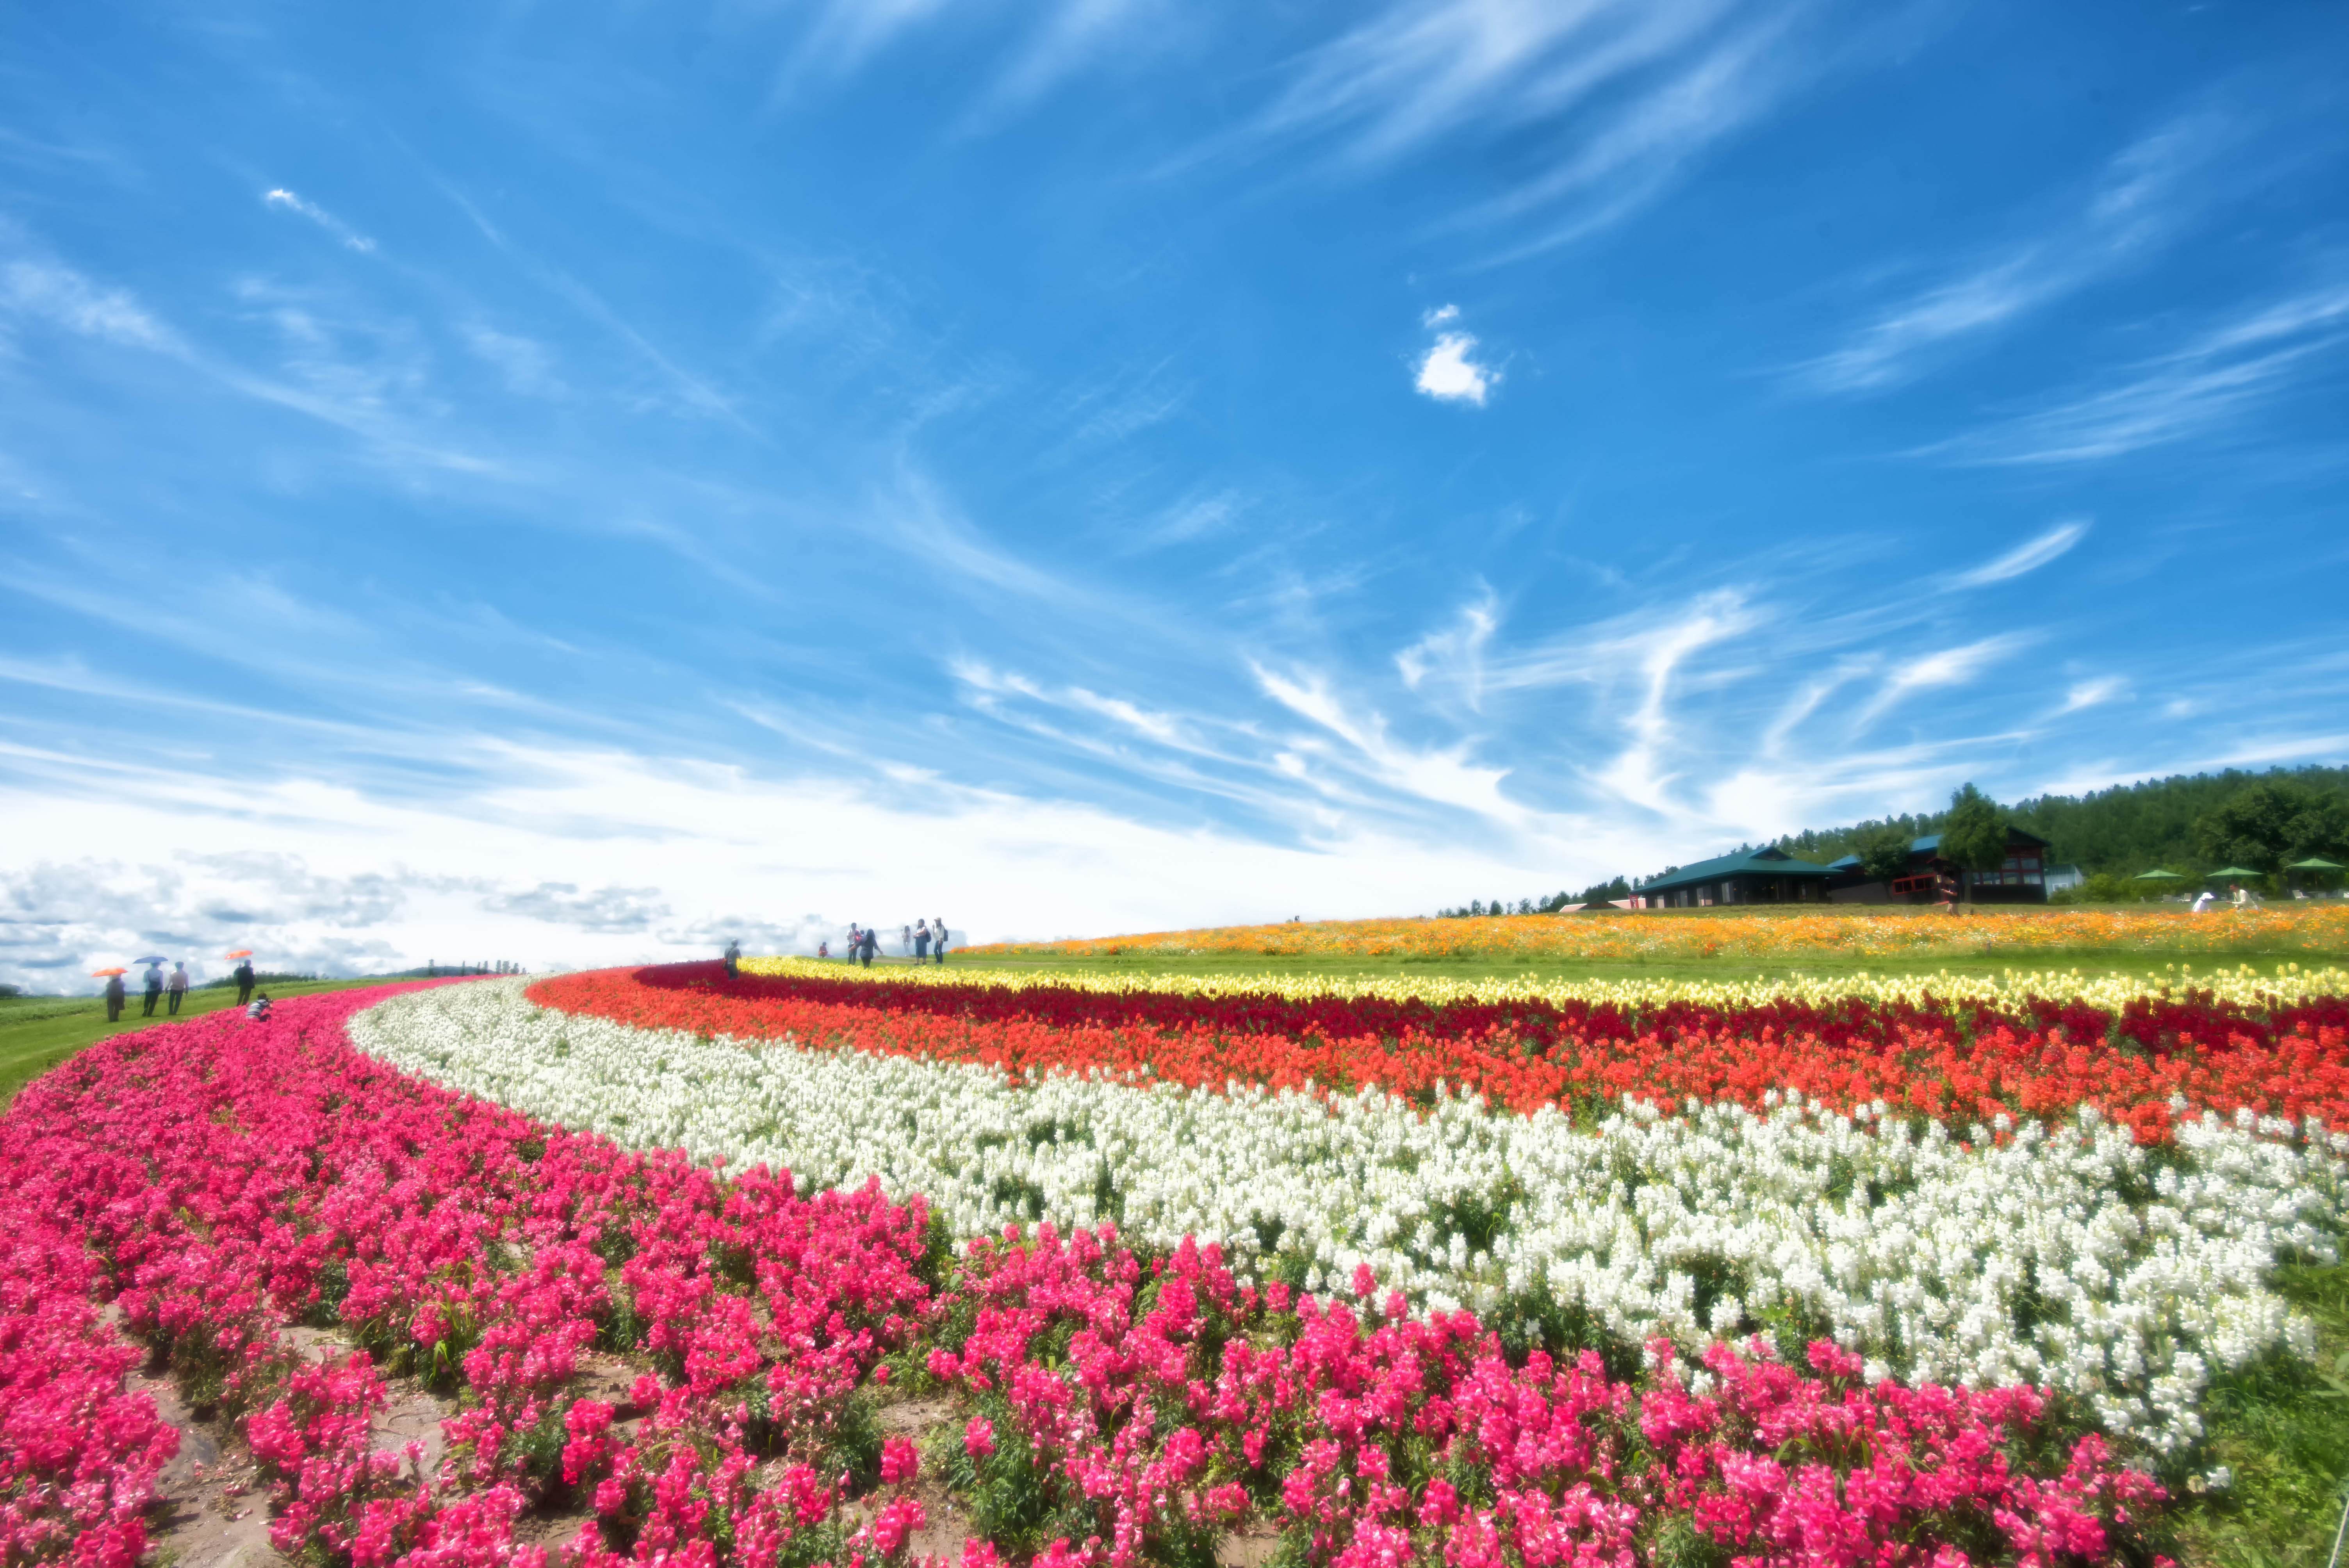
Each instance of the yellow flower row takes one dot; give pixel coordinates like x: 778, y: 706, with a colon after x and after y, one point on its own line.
x: 2319, y: 928
x: 2289, y: 985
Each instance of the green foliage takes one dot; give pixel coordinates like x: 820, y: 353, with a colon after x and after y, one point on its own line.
x: 2282, y: 1425
x: 1884, y: 854
x: 2127, y: 829
x: 2104, y: 887
x: 2273, y: 824
x: 1974, y: 835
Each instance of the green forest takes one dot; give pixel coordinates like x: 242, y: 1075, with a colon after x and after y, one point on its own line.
x: 2180, y: 822
x: 2186, y: 823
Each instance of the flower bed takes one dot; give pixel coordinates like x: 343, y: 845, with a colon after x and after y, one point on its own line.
x: 2281, y: 1049
x: 229, y: 1178
x: 2011, y: 993
x: 1142, y: 1413
x: 2066, y: 1251
x: 1775, y: 935
x: 223, y: 1179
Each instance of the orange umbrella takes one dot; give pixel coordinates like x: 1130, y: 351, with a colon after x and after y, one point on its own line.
x: 97, y: 974
x: 239, y: 952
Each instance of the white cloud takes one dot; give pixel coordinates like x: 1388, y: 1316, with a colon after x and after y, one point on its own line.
x: 1447, y: 374
x: 1948, y: 667
x: 1457, y: 655
x: 1440, y: 315
x: 55, y: 292
x: 2207, y: 384
x: 289, y: 202
x: 2140, y: 202
x: 576, y: 857
x: 2026, y: 557
x: 2093, y: 693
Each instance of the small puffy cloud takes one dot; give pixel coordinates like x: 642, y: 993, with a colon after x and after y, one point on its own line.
x: 286, y: 199
x: 1448, y: 375
x: 1440, y: 315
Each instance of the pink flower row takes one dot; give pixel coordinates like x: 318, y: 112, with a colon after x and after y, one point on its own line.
x: 1140, y: 1411
x: 225, y: 1178
x: 78, y: 1455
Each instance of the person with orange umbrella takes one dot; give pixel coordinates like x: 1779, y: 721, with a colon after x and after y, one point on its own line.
x: 243, y: 973
x: 115, y: 995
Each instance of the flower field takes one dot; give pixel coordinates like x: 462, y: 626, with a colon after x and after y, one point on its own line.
x: 683, y: 1364
x: 1790, y: 935
x: 1953, y: 1049
x: 1508, y: 1275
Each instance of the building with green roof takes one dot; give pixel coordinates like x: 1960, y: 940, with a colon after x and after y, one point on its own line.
x: 1766, y: 875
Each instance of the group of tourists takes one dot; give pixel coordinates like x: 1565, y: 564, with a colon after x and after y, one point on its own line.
x: 171, y: 990
x: 923, y: 941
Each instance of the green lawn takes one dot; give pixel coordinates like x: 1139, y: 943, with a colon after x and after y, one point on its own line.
x: 36, y: 1033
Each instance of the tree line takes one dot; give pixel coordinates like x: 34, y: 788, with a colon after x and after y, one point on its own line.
x: 2189, y: 823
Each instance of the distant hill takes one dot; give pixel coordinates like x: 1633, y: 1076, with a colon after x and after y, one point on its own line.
x: 2120, y: 832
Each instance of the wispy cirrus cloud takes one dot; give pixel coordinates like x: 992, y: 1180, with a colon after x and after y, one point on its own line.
x: 39, y: 289
x: 2144, y: 196
x: 1944, y: 668
x: 1629, y: 89
x: 286, y: 200
x: 2210, y: 382
x: 2027, y: 557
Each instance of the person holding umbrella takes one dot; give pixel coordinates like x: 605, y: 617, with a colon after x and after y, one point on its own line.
x: 114, y: 996
x: 154, y: 987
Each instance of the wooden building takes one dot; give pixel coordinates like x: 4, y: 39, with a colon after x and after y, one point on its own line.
x: 2022, y: 878
x: 1766, y: 875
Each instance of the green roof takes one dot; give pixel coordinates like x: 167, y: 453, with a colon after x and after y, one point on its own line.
x: 1765, y: 861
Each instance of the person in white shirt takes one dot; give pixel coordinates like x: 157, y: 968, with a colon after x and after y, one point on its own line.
x: 176, y: 988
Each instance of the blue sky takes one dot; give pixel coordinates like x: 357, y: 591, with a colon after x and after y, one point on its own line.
x: 568, y: 482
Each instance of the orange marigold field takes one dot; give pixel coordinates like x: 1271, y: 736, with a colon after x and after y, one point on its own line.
x: 1775, y: 935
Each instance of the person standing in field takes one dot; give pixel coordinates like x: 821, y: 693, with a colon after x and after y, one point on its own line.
x: 868, y: 948
x: 905, y: 941
x: 939, y: 936
x: 733, y: 960
x: 243, y: 973
x: 177, y: 986
x: 154, y: 990
x: 115, y: 997
x: 921, y: 942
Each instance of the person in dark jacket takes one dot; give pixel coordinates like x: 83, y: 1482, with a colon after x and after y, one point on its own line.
x: 154, y: 992
x: 244, y: 983
x: 871, y: 945
x: 115, y: 997
x: 733, y: 961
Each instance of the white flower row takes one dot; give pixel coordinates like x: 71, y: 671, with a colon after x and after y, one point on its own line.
x: 2066, y: 1255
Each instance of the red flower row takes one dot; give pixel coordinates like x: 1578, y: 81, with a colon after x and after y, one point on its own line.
x: 1959, y: 1066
